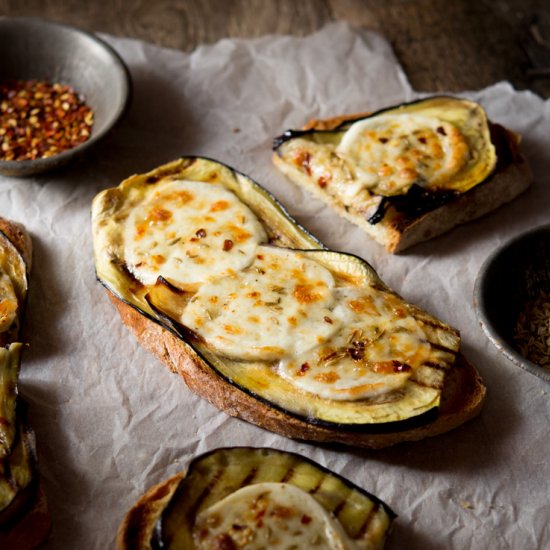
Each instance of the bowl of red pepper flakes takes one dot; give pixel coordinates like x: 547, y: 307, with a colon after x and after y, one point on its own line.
x: 61, y: 91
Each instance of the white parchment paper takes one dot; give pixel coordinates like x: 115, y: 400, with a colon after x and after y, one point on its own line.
x: 111, y: 421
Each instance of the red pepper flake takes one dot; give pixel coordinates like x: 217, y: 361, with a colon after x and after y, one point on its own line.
x: 322, y: 181
x: 399, y: 311
x: 227, y: 245
x: 388, y: 367
x: 224, y: 542
x: 304, y: 367
x: 303, y: 159
x: 158, y: 214
x: 401, y: 367
x: 305, y: 519
x: 39, y: 119
x: 201, y: 233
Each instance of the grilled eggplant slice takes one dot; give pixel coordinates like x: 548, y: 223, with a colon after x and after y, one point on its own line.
x: 17, y: 446
x: 216, y: 279
x: 255, y: 498
x: 24, y: 518
x: 388, y: 170
x: 9, y: 374
x: 13, y: 289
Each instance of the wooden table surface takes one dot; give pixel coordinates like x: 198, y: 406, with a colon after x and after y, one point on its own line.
x: 443, y: 45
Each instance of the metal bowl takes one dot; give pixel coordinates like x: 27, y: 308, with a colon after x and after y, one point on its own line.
x: 33, y: 49
x: 511, y: 276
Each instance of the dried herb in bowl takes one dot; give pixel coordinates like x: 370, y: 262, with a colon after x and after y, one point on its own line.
x: 39, y: 119
x: 532, y: 330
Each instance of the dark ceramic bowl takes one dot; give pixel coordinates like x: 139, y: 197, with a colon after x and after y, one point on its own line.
x: 513, y: 275
x: 33, y: 49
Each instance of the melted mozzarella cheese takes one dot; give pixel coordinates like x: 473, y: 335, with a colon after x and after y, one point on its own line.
x: 254, y: 302
x: 280, y: 305
x: 391, y: 152
x: 270, y: 515
x: 377, y: 350
x: 190, y: 232
x: 8, y: 303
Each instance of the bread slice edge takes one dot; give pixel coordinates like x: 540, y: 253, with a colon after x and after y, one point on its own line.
x: 462, y: 398
x: 400, y: 233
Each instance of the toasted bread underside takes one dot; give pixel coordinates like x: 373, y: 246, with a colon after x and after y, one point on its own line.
x: 462, y: 397
x: 32, y: 528
x: 397, y: 232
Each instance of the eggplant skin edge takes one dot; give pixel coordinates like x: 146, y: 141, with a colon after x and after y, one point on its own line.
x: 511, y: 176
x: 141, y: 526
x: 462, y: 398
x: 171, y: 349
x: 398, y: 426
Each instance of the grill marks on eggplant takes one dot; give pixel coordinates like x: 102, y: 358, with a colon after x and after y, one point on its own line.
x: 424, y: 384
x: 435, y: 366
x: 259, y: 379
x: 441, y: 347
x: 339, y: 507
x: 316, y: 488
x: 368, y: 521
x: 214, y: 476
x: 288, y: 475
x: 208, y: 489
x: 249, y: 477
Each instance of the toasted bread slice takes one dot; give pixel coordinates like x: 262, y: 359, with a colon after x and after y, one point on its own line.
x: 29, y: 521
x: 463, y: 395
x: 443, y: 390
x: 136, y: 529
x: 399, y: 228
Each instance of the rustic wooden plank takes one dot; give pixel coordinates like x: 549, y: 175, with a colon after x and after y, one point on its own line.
x: 182, y: 24
x: 443, y: 45
x: 458, y: 45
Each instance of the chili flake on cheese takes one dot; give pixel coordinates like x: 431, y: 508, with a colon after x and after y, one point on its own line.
x: 249, y: 301
x: 175, y: 232
x: 274, y: 307
x: 392, y: 152
x: 270, y: 515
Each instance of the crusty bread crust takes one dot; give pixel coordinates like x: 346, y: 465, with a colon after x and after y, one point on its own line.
x: 397, y: 233
x: 462, y: 398
x: 34, y: 526
x: 136, y: 529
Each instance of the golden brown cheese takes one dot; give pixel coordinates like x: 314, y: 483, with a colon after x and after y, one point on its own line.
x: 180, y: 232
x: 270, y: 515
x: 278, y: 309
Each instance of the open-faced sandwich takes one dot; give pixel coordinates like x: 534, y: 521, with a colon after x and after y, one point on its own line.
x: 255, y: 498
x: 215, y: 279
x: 24, y: 518
x: 407, y: 173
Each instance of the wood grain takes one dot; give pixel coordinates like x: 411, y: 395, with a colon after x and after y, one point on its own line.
x: 443, y: 45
